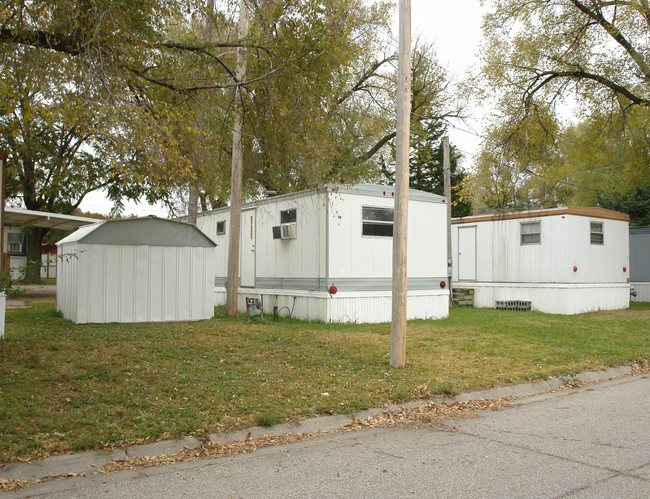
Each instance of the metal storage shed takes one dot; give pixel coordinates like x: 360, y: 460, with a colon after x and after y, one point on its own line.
x: 136, y: 270
x: 326, y: 254
x: 562, y: 261
x: 640, y: 262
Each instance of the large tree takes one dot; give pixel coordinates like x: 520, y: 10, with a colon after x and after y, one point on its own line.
x: 595, y: 49
x: 570, y: 81
x: 151, y: 96
x: 59, y: 137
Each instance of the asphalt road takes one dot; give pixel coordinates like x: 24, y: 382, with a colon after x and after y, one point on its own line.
x: 588, y: 442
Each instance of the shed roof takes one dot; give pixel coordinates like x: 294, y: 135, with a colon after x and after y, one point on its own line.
x: 582, y: 212
x: 148, y: 231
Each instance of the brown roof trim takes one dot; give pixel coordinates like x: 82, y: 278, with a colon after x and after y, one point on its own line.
x: 581, y: 212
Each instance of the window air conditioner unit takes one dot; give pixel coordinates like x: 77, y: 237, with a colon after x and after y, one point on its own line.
x: 288, y: 231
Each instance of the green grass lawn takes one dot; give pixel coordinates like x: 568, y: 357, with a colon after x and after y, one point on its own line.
x: 67, y: 387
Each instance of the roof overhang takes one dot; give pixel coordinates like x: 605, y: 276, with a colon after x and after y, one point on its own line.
x: 31, y: 218
x: 582, y: 212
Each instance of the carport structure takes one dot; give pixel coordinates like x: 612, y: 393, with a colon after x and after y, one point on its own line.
x: 17, y: 217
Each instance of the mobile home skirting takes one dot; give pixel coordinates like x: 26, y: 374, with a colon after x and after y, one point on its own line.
x: 361, y: 306
x: 642, y: 291
x: 552, y: 298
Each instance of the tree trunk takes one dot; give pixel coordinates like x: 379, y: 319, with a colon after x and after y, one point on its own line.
x: 193, y: 208
x: 34, y: 241
x: 232, y: 281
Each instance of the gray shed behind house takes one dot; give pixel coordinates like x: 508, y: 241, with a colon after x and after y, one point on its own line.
x: 136, y: 270
x: 640, y: 262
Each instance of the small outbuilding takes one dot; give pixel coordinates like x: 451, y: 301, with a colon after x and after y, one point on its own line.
x: 326, y: 254
x: 640, y: 263
x: 560, y: 261
x: 136, y: 270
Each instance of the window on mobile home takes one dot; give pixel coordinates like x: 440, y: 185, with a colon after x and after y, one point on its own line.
x: 597, y: 236
x: 377, y: 221
x: 221, y: 227
x: 14, y: 242
x: 531, y: 233
x: 288, y: 216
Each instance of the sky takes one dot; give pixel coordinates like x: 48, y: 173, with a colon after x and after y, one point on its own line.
x: 453, y: 26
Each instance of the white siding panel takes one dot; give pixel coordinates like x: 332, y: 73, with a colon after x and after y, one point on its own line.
x: 82, y: 274
x: 142, y: 283
x: 206, y: 283
x: 295, y: 258
x: 347, y: 307
x: 353, y: 255
x: 171, y: 284
x: 350, y: 253
x: 127, y: 271
x: 156, y: 283
x: 642, y: 291
x: 67, y: 286
x: 377, y: 308
x: 113, y: 283
x: 96, y: 283
x: 196, y: 284
x: 219, y: 297
x: 564, y: 299
x: 184, y: 284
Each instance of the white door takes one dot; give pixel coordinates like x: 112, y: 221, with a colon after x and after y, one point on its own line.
x: 467, y: 253
x: 247, y: 260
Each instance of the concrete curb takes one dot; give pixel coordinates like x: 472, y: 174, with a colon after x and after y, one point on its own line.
x: 90, y: 462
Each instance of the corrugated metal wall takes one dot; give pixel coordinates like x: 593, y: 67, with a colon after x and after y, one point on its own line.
x: 565, y: 244
x: 111, y: 283
x: 353, y: 255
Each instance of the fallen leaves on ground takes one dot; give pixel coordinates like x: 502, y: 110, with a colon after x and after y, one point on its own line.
x: 7, y: 485
x: 425, y: 415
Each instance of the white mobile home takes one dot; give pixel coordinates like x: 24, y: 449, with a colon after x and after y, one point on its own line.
x: 640, y: 262
x: 327, y: 254
x: 136, y: 270
x: 562, y: 261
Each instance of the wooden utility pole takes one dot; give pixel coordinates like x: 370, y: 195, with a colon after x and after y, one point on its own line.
x: 193, y: 202
x: 446, y: 165
x: 3, y: 177
x: 232, y: 281
x: 400, y: 223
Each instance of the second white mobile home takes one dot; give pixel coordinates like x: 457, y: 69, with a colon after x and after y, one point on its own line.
x: 563, y: 261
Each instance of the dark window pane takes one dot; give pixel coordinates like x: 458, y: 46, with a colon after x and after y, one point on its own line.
x: 597, y: 238
x: 288, y: 216
x: 530, y: 238
x: 379, y: 214
x: 384, y: 230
